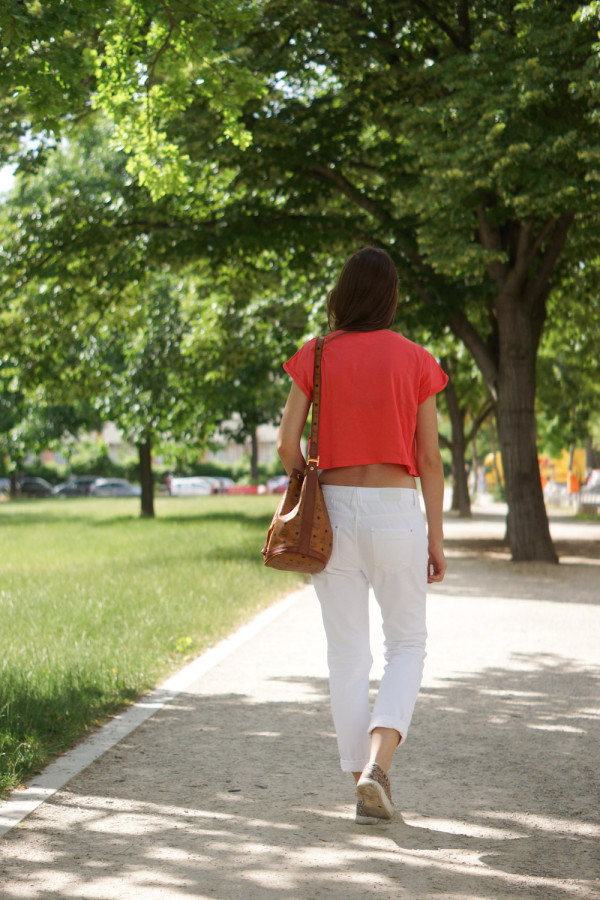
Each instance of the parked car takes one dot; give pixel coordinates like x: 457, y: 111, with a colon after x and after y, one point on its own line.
x: 278, y: 484
x: 77, y: 486
x: 114, y: 487
x: 218, y: 483
x: 31, y: 486
x: 192, y: 486
x: 556, y: 494
x: 593, y: 479
x: 4, y: 485
x: 225, y: 483
x: 588, y: 499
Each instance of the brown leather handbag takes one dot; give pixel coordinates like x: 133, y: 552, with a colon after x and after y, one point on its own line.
x: 300, y: 536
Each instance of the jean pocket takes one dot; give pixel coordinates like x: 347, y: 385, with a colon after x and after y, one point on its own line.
x: 392, y: 548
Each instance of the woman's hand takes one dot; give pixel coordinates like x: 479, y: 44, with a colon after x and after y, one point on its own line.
x: 436, y: 564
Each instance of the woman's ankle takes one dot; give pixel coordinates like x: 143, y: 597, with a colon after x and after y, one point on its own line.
x: 384, y: 742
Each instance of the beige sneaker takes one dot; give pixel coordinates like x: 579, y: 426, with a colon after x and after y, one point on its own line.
x: 375, y: 794
x: 362, y: 819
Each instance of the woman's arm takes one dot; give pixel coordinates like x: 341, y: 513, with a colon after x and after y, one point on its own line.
x: 431, y: 473
x: 290, y: 430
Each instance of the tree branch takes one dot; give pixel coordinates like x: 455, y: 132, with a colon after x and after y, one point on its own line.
x: 428, y: 298
x: 163, y: 47
x: 491, y: 240
x: 479, y: 419
x: 148, y: 225
x: 468, y: 334
x: 540, y: 286
x: 324, y: 173
x: 539, y: 241
x: 352, y: 11
x: 464, y: 22
x: 456, y: 39
x: 364, y: 18
x: 444, y: 441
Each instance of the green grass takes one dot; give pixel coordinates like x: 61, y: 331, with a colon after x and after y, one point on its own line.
x: 98, y: 605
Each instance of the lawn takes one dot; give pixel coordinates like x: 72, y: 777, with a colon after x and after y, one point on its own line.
x: 98, y: 605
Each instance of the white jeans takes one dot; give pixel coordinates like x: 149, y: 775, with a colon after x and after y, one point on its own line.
x: 379, y: 540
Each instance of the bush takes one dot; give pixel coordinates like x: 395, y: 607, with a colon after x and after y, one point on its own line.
x: 52, y: 473
x: 242, y: 473
x: 211, y: 469
x: 499, y: 494
x: 92, y: 458
x: 239, y: 471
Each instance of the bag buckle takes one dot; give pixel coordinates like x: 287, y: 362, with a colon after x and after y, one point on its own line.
x: 313, y: 462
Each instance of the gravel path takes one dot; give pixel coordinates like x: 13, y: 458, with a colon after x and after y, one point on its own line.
x: 233, y: 790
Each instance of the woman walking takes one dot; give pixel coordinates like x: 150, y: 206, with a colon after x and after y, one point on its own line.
x: 378, y: 432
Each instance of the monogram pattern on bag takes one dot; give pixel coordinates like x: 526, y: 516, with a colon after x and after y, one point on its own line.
x: 281, y: 550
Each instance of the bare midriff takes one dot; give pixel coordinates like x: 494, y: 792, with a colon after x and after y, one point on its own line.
x: 373, y: 475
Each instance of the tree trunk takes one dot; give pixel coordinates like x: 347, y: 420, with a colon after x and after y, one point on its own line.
x: 507, y: 358
x: 461, y: 501
x: 527, y: 526
x: 254, y: 456
x: 14, y: 485
x: 146, y: 480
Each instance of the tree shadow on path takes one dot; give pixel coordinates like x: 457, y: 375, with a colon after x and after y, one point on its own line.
x: 226, y: 796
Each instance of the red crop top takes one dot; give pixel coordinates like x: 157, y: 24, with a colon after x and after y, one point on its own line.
x: 372, y: 384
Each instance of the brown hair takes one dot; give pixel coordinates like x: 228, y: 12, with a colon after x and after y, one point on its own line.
x: 366, y: 293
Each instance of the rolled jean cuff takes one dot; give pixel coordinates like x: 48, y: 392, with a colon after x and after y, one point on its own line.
x: 354, y: 765
x: 388, y: 722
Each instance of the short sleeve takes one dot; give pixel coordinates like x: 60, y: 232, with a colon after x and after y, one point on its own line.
x: 301, y: 367
x: 433, y: 378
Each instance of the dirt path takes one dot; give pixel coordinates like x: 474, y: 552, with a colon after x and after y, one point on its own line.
x: 234, y: 790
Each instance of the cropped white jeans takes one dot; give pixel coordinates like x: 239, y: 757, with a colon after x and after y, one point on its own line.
x: 379, y: 540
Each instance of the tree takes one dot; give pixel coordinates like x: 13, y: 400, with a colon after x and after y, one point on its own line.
x: 90, y: 325
x: 31, y: 422
x: 468, y: 409
x: 568, y: 396
x: 240, y: 343
x: 68, y: 60
x: 164, y: 355
x: 461, y: 136
x: 12, y: 413
x: 149, y: 385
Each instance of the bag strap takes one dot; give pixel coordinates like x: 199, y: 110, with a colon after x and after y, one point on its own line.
x: 313, y: 447
x: 311, y: 475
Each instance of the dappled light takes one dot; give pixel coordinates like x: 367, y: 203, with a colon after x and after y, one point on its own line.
x: 180, y: 185
x: 268, y: 814
x: 234, y: 788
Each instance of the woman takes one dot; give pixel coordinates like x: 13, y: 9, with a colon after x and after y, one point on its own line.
x: 378, y: 431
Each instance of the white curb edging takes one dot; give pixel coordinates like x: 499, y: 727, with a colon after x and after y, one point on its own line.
x: 20, y: 803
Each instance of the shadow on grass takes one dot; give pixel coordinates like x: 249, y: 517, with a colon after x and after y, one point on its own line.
x: 223, y: 516
x: 226, y: 795
x: 260, y: 520
x: 50, y: 517
x: 75, y: 509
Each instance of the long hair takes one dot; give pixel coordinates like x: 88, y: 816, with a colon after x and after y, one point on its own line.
x: 365, y: 295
